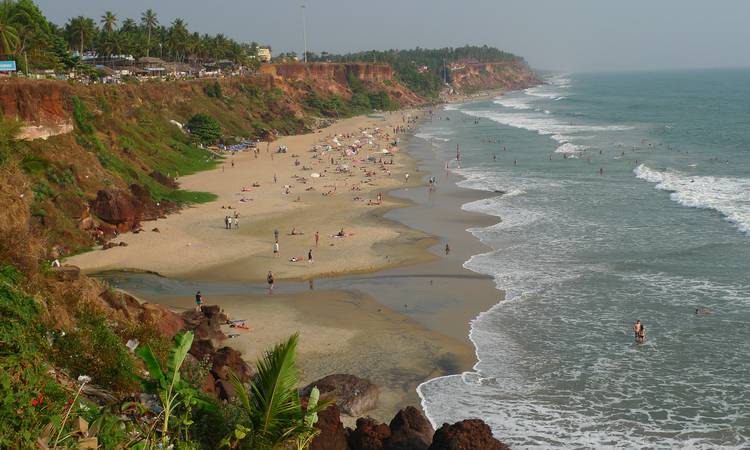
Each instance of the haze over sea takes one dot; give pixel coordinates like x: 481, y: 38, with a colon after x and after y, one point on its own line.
x: 664, y: 231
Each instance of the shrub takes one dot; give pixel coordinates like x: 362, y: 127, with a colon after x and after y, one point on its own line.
x: 31, y: 398
x: 93, y: 349
x: 213, y: 90
x: 9, y: 129
x: 204, y: 128
x: 82, y: 117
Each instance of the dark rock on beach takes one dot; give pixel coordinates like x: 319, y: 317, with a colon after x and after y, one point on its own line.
x: 410, y: 430
x: 227, y: 360
x: 332, y: 434
x: 352, y: 394
x: 471, y: 434
x: 369, y: 435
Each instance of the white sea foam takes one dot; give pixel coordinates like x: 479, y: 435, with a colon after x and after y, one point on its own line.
x: 431, y: 137
x: 728, y: 196
x: 519, y: 103
x: 544, y: 92
x: 570, y: 149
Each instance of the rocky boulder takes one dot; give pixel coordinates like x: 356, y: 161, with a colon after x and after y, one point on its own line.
x: 65, y: 273
x: 118, y: 208
x: 471, y: 434
x: 206, y: 324
x: 410, y: 430
x: 202, y: 349
x: 332, y: 435
x: 352, y: 394
x: 368, y: 435
x: 227, y: 360
x: 122, y: 301
x: 166, y: 322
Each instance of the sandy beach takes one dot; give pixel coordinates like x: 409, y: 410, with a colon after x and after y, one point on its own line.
x: 280, y: 191
x: 364, y: 307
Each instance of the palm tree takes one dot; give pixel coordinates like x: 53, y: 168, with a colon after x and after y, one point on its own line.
x: 177, y: 38
x: 109, y: 20
x: 128, y: 25
x: 273, y: 406
x: 9, y: 36
x: 80, y: 30
x: 149, y: 20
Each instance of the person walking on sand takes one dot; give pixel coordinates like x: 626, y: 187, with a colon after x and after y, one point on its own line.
x: 276, y: 249
x: 309, y: 256
x: 198, y: 301
x: 269, y: 279
x: 317, y: 238
x: 236, y: 223
x: 276, y: 234
x: 406, y: 176
x: 447, y: 249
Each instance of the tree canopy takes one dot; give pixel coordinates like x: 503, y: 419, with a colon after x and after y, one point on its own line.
x: 204, y: 128
x: 25, y: 31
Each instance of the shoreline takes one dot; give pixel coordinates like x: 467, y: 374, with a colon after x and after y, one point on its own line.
x: 360, y: 314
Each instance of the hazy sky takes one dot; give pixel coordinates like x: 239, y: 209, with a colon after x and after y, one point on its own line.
x: 550, y: 34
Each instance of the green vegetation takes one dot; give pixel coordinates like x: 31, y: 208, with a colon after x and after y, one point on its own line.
x: 204, y: 128
x: 177, y: 396
x: 9, y: 129
x: 25, y: 34
x: 407, y: 63
x: 213, y: 90
x: 275, y: 417
x: 25, y: 31
x: 35, y: 407
x: 31, y: 398
x: 363, y: 100
x: 93, y: 349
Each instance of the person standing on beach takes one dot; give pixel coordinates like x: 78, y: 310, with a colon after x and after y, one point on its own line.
x: 309, y: 256
x: 406, y: 176
x: 317, y: 237
x: 198, y: 301
x: 447, y: 249
x: 276, y: 234
x: 269, y: 279
x: 276, y: 249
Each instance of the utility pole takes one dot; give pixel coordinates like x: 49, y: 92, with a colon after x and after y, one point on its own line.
x: 304, y: 33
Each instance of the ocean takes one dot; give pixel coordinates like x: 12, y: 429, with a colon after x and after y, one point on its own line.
x: 619, y: 197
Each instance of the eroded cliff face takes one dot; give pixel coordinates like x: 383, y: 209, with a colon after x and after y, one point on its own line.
x: 332, y: 78
x: 472, y: 77
x: 42, y: 107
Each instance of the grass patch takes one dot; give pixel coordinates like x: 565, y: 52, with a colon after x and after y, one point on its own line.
x: 31, y: 398
x: 185, y: 196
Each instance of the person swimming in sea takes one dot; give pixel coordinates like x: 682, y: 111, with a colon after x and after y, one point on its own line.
x: 639, y: 331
